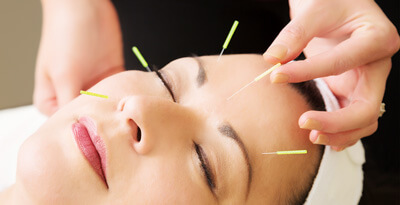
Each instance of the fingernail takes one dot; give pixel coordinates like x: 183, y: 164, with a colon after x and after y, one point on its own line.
x: 278, y: 51
x: 322, y: 139
x: 311, y: 125
x: 280, y: 78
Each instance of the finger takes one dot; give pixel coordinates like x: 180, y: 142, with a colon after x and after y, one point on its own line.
x: 67, y: 89
x: 366, y: 82
x: 360, y: 49
x: 290, y: 42
x: 44, y: 97
x: 364, y: 106
x: 342, y: 139
x: 343, y: 119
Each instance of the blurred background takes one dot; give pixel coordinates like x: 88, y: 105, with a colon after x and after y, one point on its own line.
x: 20, y: 25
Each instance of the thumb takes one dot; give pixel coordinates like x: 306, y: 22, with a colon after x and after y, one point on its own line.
x: 66, y: 90
x: 44, y: 96
x: 291, y: 41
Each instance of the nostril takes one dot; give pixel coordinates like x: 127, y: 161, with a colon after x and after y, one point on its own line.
x: 134, y: 128
x: 139, y: 134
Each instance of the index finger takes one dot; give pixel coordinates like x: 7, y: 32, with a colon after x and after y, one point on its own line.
x: 360, y: 49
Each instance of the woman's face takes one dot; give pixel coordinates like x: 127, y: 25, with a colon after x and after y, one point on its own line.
x: 201, y: 148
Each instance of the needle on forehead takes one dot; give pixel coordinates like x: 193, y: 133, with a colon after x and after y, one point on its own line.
x: 256, y: 79
x: 228, y: 38
x: 140, y: 57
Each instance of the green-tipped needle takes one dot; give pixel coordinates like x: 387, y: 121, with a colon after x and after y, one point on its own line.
x: 228, y: 38
x: 140, y: 57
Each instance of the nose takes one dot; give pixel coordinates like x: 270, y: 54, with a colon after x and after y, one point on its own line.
x: 159, y: 125
x: 132, y: 110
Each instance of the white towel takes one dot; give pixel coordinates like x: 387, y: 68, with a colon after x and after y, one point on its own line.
x: 16, y: 124
x: 340, y: 175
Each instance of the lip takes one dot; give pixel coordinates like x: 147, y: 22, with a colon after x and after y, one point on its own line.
x: 91, y: 145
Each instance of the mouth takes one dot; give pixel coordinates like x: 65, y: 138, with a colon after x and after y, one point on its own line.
x: 91, y: 145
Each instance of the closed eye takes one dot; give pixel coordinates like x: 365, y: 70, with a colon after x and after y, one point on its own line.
x: 165, y: 84
x: 205, y: 167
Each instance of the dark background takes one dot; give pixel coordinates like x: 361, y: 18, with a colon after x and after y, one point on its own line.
x: 166, y: 30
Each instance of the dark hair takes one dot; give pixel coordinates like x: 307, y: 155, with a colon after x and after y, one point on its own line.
x: 314, y: 99
x: 310, y: 92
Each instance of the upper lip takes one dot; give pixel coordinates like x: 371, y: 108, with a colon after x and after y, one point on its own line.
x: 98, y: 143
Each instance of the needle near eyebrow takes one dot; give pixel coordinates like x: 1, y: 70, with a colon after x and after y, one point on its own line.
x: 257, y: 79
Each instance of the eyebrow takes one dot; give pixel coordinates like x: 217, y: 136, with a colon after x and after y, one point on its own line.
x: 227, y: 130
x: 201, y: 73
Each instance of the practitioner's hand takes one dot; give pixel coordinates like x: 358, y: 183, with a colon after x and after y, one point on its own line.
x: 81, y: 44
x: 351, y: 42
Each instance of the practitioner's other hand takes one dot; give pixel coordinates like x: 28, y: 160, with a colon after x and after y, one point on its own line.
x: 350, y: 44
x: 81, y: 44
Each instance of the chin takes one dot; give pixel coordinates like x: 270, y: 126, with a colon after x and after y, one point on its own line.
x: 39, y: 168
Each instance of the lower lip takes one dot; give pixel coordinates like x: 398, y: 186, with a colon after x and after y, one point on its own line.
x: 90, y: 145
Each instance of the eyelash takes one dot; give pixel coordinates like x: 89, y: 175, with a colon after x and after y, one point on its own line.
x: 204, y: 167
x: 165, y: 84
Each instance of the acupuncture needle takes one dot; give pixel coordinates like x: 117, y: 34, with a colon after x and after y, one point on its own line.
x: 256, y: 79
x: 140, y: 57
x: 228, y: 38
x: 93, y: 94
x: 287, y: 152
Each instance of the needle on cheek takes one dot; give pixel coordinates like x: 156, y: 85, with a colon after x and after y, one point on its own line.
x: 93, y: 94
x: 287, y: 152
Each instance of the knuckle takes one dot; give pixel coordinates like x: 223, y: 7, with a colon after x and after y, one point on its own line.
x: 294, y: 32
x: 394, y: 44
x: 341, y: 64
x: 370, y: 112
x: 388, y: 37
x: 371, y: 116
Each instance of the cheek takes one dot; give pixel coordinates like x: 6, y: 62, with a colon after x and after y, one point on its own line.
x: 159, y: 180
x: 166, y: 179
x: 50, y: 168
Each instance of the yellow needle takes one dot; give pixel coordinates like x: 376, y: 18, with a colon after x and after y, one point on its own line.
x: 257, y: 79
x: 287, y: 152
x: 93, y: 94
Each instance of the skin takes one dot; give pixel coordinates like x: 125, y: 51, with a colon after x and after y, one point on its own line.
x: 163, y: 167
